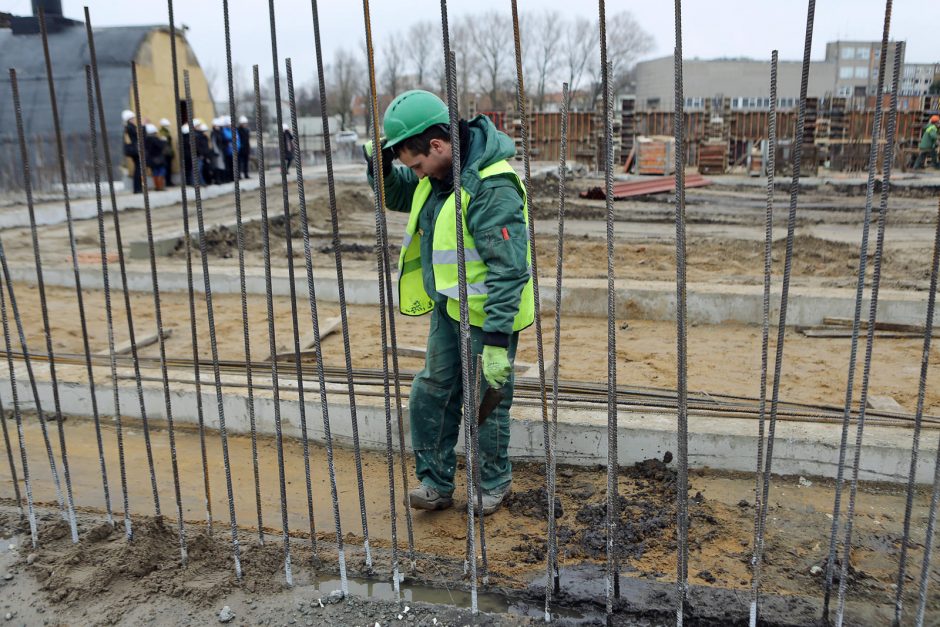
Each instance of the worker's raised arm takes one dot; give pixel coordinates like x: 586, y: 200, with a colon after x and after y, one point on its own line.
x: 400, y: 182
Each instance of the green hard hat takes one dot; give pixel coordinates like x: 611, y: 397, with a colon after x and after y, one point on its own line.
x: 411, y: 113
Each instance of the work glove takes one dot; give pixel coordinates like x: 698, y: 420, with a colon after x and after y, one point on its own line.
x: 387, y: 156
x: 496, y: 366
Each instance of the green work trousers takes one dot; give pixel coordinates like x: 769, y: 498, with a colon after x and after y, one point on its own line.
x: 436, y: 405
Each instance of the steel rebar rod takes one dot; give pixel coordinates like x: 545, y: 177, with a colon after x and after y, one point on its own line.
x: 272, y: 340
x: 158, y: 316
x: 612, y: 513
x: 379, y: 193
x: 67, y: 509
x: 18, y: 418
x: 213, y: 344
x: 935, y: 493
x: 190, y: 292
x: 522, y: 106
x: 784, y: 299
x: 340, y: 283
x: 915, y: 441
x: 14, y: 476
x: 682, y: 356
x: 765, y: 326
x: 466, y: 347
x: 288, y: 240
x: 856, y: 319
x: 870, y: 340
x: 60, y: 154
x: 477, y: 377
x: 552, y: 554
x: 109, y: 313
x: 315, y: 323
x: 119, y: 249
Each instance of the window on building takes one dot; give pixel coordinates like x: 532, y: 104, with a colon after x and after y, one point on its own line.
x: 862, y: 53
x: 846, y: 72
x: 848, y: 53
x: 652, y: 103
x: 861, y: 72
x: 845, y: 91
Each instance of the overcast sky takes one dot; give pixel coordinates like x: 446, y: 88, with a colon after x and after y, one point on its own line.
x: 732, y: 28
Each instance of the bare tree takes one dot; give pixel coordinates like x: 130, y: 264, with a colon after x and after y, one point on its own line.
x: 424, y: 51
x: 491, y: 35
x: 393, y: 68
x: 462, y: 45
x: 580, y: 49
x: 626, y: 42
x: 345, y: 80
x: 542, y: 32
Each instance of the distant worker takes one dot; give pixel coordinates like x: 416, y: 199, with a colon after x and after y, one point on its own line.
x: 130, y: 146
x: 928, y: 145
x: 187, y: 164
x: 288, y: 156
x: 168, y: 152
x: 244, y: 146
x: 204, y: 152
x: 155, y: 154
x: 499, y: 284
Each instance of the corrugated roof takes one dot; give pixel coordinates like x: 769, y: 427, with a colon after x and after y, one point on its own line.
x: 116, y: 48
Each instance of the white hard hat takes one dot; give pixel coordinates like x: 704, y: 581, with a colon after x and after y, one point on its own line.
x: 185, y: 129
x: 286, y: 127
x: 242, y: 119
x: 226, y: 120
x: 202, y: 127
x: 126, y: 115
x: 197, y: 123
x: 164, y: 122
x: 216, y: 121
x: 151, y: 129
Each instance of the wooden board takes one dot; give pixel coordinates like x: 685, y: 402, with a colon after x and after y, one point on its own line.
x: 125, y: 347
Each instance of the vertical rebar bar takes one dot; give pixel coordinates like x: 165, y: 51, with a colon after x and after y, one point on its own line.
x: 765, y: 327
x: 190, y: 292
x: 935, y: 493
x: 381, y: 266
x: 119, y: 249
x: 315, y: 323
x: 888, y: 157
x: 17, y: 415
x: 552, y: 557
x: 476, y: 375
x: 213, y: 344
x: 340, y: 284
x: 856, y: 319
x: 272, y: 339
x: 14, y: 476
x: 67, y: 509
x: 109, y: 313
x: 682, y: 386
x: 784, y: 297
x: 522, y: 106
x: 60, y: 153
x: 291, y: 279
x: 158, y: 316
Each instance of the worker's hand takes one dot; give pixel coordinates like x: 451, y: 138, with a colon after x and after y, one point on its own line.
x: 496, y: 366
x: 387, y: 156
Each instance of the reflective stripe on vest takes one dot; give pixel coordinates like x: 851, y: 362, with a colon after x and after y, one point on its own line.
x: 413, y: 300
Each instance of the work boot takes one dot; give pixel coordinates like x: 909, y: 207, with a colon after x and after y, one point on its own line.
x: 492, y: 501
x: 425, y: 497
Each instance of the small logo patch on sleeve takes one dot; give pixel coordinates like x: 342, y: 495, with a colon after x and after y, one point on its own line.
x: 505, y: 233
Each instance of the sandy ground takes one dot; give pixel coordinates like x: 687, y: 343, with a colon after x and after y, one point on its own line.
x: 721, y: 509
x: 723, y: 359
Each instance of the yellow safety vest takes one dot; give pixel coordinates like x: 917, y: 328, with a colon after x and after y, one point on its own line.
x: 413, y: 300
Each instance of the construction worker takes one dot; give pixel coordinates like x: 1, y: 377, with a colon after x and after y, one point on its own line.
x: 499, y: 283
x: 928, y: 145
x: 167, y: 136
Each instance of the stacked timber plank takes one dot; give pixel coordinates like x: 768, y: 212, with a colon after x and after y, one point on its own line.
x: 627, y: 129
x: 656, y: 155
x: 713, y: 156
x: 658, y: 185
